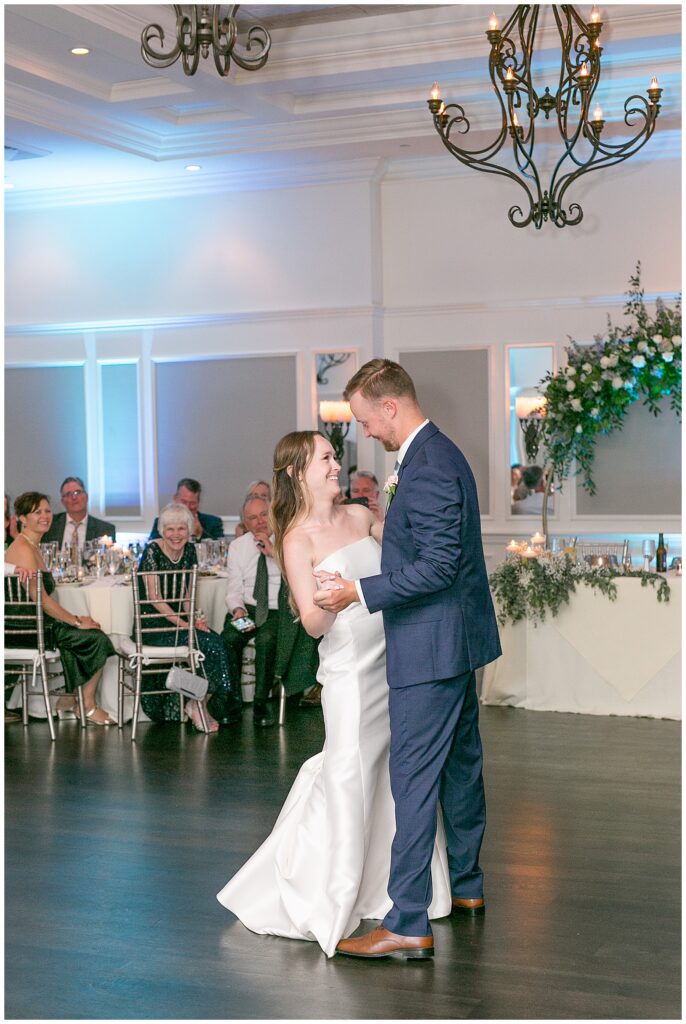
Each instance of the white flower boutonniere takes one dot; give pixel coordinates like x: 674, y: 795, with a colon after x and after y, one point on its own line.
x: 390, y: 486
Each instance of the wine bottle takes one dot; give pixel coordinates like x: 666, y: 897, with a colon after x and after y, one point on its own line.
x: 661, y: 554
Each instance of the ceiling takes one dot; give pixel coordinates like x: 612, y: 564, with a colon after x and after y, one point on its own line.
x: 344, y: 92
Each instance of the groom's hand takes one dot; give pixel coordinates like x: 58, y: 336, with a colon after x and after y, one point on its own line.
x: 335, y: 593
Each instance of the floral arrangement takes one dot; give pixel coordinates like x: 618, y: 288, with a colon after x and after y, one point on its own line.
x: 591, y: 394
x: 529, y: 588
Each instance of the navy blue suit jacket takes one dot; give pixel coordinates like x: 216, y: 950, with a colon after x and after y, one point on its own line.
x: 212, y: 528
x: 433, y: 587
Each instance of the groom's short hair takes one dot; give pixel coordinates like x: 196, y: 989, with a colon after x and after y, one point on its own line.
x: 381, y: 378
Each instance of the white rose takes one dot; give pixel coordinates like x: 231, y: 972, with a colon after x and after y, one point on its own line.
x: 579, y: 429
x: 595, y: 412
x: 576, y: 404
x: 666, y: 345
x: 676, y: 341
x: 642, y: 346
x: 596, y: 385
x: 614, y: 359
x: 638, y: 361
x: 617, y: 383
x: 668, y: 356
x: 571, y: 371
x: 657, y: 338
x: 605, y: 362
x: 570, y: 385
x: 587, y: 367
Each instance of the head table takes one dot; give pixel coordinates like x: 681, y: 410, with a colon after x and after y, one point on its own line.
x: 597, y: 657
x: 109, y: 600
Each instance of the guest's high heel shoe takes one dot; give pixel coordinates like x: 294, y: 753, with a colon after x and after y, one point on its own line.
x: 193, y: 713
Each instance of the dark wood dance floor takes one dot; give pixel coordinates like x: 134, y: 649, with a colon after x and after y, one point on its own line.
x: 114, y: 852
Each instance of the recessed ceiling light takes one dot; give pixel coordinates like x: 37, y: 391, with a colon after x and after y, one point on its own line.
x: 193, y: 167
x: 80, y: 51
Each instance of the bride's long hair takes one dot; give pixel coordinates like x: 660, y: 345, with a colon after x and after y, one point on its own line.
x: 291, y: 499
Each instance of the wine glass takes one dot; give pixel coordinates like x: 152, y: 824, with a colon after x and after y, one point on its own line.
x: 113, y: 561
x: 648, y: 554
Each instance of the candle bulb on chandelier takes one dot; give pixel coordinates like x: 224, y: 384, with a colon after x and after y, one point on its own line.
x: 509, y: 75
x: 595, y: 15
x: 584, y: 70
x: 435, y: 92
x: 654, y: 83
x: 597, y: 113
x: 493, y: 23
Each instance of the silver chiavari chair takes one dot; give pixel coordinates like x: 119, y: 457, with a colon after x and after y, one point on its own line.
x: 24, y: 622
x: 141, y: 656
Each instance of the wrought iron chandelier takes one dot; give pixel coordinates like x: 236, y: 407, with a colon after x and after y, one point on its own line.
x: 199, y: 27
x: 583, y: 150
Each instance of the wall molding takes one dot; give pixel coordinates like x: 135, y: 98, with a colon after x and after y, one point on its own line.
x: 377, y: 312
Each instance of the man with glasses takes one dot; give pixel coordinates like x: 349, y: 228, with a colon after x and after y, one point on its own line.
x: 76, y: 525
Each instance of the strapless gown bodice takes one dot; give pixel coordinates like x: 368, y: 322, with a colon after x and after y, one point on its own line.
x: 325, y: 865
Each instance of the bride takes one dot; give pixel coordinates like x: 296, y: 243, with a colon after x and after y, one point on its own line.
x: 325, y: 865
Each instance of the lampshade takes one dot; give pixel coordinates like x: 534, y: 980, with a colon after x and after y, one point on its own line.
x: 528, y: 406
x: 335, y: 412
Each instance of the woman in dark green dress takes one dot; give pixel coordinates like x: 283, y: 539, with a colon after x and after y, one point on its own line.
x: 83, y: 646
x: 173, y: 550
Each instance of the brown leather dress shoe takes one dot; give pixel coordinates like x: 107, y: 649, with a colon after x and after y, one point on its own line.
x: 382, y: 943
x: 472, y: 907
x: 313, y: 698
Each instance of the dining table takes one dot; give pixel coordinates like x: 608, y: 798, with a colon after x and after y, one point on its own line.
x: 596, y: 656
x: 109, y: 601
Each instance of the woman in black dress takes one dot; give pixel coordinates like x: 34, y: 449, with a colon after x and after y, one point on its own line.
x: 173, y: 550
x: 83, y: 646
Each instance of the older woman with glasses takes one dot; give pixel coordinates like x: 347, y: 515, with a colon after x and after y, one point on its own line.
x: 174, y: 550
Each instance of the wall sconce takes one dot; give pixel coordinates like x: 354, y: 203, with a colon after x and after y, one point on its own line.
x: 530, y: 410
x: 336, y: 417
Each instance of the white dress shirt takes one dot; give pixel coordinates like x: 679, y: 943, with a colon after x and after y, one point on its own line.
x: 67, y: 539
x: 241, y: 566
x: 402, y: 452
x: 9, y: 568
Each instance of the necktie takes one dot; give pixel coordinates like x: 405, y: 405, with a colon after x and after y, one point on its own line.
x: 261, y: 592
x: 74, y: 539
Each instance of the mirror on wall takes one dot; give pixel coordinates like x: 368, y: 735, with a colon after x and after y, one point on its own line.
x: 333, y: 370
x: 527, y: 366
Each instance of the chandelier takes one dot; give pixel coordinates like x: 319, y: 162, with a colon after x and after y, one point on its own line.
x: 199, y: 27
x: 580, y: 129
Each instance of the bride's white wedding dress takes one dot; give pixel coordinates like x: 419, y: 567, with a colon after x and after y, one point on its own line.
x: 325, y: 865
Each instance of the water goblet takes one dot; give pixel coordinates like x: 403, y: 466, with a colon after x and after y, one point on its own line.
x: 648, y: 554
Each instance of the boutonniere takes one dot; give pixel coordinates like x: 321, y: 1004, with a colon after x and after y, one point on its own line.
x: 390, y: 486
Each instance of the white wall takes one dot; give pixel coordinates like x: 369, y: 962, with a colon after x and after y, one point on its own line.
x: 399, y: 263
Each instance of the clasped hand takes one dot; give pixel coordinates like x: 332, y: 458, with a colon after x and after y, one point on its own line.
x: 334, y: 593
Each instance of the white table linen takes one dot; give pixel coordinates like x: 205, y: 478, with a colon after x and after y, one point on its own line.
x: 597, y: 657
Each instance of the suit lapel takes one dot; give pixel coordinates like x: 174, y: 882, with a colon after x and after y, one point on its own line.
x: 422, y: 437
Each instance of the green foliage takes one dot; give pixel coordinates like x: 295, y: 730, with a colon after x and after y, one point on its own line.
x: 592, y: 393
x: 530, y: 588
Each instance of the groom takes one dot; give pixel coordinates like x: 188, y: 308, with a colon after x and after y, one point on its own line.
x: 440, y: 626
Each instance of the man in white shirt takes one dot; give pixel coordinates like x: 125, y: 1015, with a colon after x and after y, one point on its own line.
x: 253, y: 590
x: 76, y: 526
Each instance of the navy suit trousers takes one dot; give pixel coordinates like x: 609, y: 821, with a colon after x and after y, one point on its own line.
x: 435, y: 754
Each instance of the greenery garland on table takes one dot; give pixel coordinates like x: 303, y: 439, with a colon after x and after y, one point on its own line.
x: 592, y: 393
x: 529, y: 588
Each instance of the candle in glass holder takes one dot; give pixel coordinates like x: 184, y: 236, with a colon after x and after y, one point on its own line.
x: 529, y: 552
x: 513, y: 547
x: 538, y: 538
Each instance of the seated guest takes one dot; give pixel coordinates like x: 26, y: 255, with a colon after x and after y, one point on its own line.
x: 205, y: 527
x: 515, y: 480
x: 174, y: 550
x: 253, y: 586
x: 364, y: 484
x: 10, y: 523
x: 257, y: 489
x: 83, y: 646
x: 76, y: 525
x: 532, y: 488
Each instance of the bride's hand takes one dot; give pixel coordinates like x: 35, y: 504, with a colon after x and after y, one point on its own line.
x: 343, y: 593
x: 327, y: 580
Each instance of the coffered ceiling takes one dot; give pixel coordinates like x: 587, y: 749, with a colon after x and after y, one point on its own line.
x: 343, y: 94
